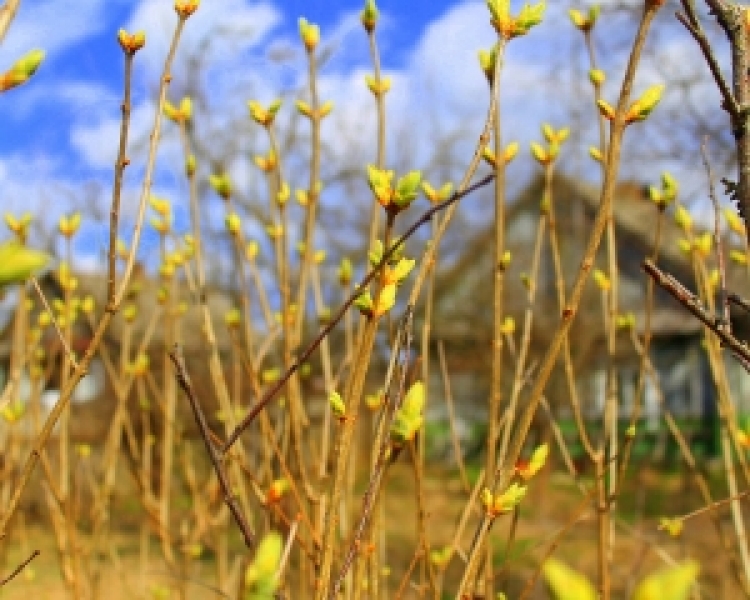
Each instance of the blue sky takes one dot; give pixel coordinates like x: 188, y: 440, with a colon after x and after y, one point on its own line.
x: 80, y: 80
x: 58, y: 133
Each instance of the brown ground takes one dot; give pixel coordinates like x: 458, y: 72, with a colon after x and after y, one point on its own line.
x: 551, y: 504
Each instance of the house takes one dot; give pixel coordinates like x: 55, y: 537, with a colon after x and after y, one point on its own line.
x: 462, y: 319
x: 140, y: 319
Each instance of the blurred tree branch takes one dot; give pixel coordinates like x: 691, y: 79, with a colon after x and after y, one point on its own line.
x: 7, y: 13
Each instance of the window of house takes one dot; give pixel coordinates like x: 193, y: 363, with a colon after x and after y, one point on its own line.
x: 88, y: 389
x: 91, y: 386
x: 522, y: 228
x: 628, y: 386
x: 681, y: 377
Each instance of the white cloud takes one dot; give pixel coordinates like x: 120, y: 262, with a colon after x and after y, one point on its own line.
x: 445, y: 58
x: 350, y: 132
x: 69, y: 99
x: 33, y: 184
x: 96, y: 139
x: 438, y: 91
x: 53, y: 26
x: 223, y: 31
x: 232, y: 27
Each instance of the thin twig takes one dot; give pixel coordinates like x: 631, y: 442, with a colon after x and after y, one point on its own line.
x: 422, y: 516
x: 121, y: 163
x: 166, y: 78
x: 113, y: 301
x: 714, y: 505
x: 287, y: 549
x: 7, y: 13
x: 607, y: 197
x: 739, y: 301
x: 687, y: 455
x: 731, y: 17
x: 66, y: 346
x: 691, y: 23
x: 183, y: 379
x: 549, y: 360
x: 552, y: 545
x: 452, y: 417
x: 724, y: 311
x: 405, y: 579
x: 387, y: 254
x: 374, y: 485
x: 498, y: 302
x: 195, y: 582
x: 20, y: 568
x: 691, y: 302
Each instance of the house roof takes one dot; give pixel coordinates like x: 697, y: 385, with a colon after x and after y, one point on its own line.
x: 465, y: 287
x: 143, y: 296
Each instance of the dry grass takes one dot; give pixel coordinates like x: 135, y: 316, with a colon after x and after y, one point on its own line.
x: 641, y: 548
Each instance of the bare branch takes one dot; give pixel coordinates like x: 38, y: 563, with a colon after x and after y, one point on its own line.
x: 692, y: 303
x: 336, y: 318
x: 183, y: 379
x: 693, y: 26
x: 20, y: 568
